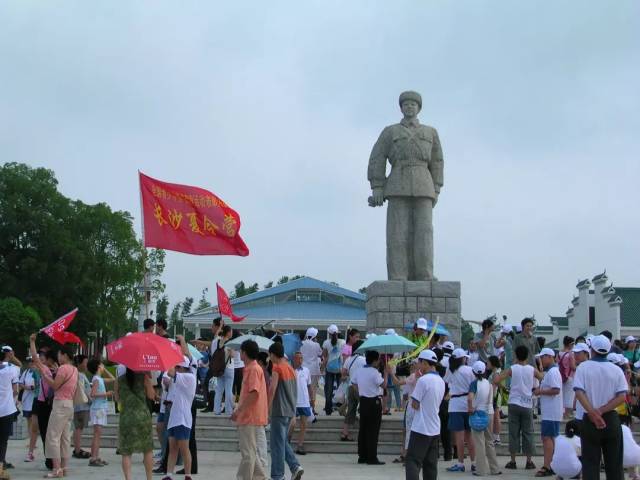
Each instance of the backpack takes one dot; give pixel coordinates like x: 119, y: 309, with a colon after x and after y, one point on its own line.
x: 217, y: 363
x: 564, y: 367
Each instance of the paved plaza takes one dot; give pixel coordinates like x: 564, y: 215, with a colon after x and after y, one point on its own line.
x: 223, y: 466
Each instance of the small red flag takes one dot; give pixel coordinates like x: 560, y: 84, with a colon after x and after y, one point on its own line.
x: 188, y: 219
x: 224, y: 305
x: 58, y: 329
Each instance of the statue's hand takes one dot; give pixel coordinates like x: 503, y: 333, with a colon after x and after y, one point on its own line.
x: 377, y: 197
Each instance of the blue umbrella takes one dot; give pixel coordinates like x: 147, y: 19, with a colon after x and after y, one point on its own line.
x: 440, y: 329
x: 195, y: 353
x: 387, y: 344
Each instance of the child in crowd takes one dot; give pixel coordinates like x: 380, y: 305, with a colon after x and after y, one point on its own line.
x: 493, y: 370
x: 566, y: 453
x: 480, y: 399
x: 99, y: 407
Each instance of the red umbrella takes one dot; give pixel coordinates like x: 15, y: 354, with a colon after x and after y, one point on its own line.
x: 145, y: 352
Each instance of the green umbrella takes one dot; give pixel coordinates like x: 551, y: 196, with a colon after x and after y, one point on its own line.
x: 263, y: 342
x: 387, y: 344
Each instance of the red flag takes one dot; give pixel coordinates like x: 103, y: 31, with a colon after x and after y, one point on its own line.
x: 58, y: 329
x: 224, y: 305
x: 188, y: 219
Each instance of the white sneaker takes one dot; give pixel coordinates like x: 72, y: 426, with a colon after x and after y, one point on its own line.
x: 297, y: 475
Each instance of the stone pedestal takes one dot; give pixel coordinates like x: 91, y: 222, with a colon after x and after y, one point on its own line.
x: 394, y: 303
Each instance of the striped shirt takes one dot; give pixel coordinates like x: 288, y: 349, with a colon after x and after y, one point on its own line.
x: 285, y: 398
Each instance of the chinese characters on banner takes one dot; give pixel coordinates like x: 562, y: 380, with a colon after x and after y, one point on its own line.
x: 224, y: 305
x: 58, y: 329
x: 189, y: 220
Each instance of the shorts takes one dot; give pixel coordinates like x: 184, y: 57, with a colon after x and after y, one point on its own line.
x: 98, y: 417
x: 26, y: 413
x: 180, y: 432
x: 161, y: 418
x: 549, y: 428
x: 81, y: 419
x: 459, y: 421
x: 303, y: 411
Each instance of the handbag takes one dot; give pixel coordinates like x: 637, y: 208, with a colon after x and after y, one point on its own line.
x: 79, y: 397
x: 479, y: 420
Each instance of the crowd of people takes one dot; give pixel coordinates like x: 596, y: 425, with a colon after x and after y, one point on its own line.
x: 452, y: 400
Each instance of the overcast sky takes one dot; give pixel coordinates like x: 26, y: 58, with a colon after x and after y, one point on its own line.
x: 275, y: 106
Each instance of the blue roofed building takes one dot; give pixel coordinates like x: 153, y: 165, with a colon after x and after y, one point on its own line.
x: 292, y: 306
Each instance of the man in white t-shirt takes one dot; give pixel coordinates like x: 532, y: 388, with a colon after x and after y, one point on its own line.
x: 551, y: 406
x: 581, y: 353
x: 369, y: 382
x: 303, y: 403
x: 422, y: 453
x: 600, y: 387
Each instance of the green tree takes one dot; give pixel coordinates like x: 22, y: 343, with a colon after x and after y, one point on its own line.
x: 17, y: 322
x: 57, y: 254
x: 268, y: 285
x: 284, y: 279
x: 363, y: 290
x: 466, y: 333
x: 162, y: 308
x: 175, y: 320
x: 186, y: 306
x: 203, y: 303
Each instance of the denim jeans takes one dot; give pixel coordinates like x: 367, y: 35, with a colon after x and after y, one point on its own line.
x: 281, y: 450
x: 331, y: 382
x: 225, y: 384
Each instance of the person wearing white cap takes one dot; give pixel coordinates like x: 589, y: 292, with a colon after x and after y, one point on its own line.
x: 480, y: 399
x: 418, y: 336
x: 182, y: 393
x: 520, y: 402
x: 630, y: 349
x: 311, y: 355
x: 581, y: 353
x: 600, y: 387
x: 332, y: 363
x: 459, y: 377
x: 9, y: 378
x: 422, y: 452
x: 550, y: 392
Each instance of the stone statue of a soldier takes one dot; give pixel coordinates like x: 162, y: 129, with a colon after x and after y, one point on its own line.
x: 411, y: 190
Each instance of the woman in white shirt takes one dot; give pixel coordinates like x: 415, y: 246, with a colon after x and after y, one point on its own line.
x: 225, y: 382
x: 459, y: 377
x: 311, y: 354
x: 480, y: 399
x: 332, y: 362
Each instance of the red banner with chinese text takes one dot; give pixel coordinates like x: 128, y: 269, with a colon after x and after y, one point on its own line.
x: 188, y: 219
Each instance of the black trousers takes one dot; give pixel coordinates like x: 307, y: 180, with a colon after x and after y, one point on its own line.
x: 445, y: 434
x: 370, y: 420
x: 6, y: 424
x: 605, y: 444
x: 422, y: 454
x: 43, y: 411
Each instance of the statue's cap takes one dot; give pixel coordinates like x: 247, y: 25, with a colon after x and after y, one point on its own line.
x: 410, y: 95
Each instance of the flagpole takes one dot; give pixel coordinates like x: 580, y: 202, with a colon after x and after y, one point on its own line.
x: 145, y: 279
